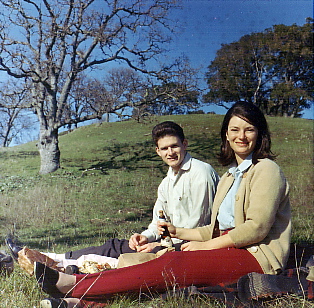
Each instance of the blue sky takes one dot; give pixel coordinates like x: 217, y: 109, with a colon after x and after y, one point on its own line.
x: 206, y: 24
x: 203, y: 25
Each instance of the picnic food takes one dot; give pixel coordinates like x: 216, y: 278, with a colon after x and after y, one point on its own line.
x: 91, y: 267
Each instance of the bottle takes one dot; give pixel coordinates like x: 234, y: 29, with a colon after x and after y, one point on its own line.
x: 165, y: 240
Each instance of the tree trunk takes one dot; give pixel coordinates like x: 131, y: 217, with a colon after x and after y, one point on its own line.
x: 48, y: 147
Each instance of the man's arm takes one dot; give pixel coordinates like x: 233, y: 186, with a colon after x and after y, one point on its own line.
x: 151, y: 232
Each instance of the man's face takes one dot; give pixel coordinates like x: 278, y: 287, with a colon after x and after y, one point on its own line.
x: 172, y: 151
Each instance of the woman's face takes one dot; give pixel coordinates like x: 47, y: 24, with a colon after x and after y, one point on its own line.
x: 242, y: 137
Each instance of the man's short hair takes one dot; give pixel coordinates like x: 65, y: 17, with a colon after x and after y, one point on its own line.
x: 167, y: 128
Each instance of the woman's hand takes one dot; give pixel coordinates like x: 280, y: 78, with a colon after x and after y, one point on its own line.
x: 172, y: 229
x: 192, y: 246
x: 223, y: 241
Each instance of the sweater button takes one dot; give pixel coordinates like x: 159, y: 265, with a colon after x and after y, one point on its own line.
x: 254, y: 249
x: 237, y: 198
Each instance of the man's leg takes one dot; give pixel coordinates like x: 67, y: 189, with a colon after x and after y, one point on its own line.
x: 112, y: 248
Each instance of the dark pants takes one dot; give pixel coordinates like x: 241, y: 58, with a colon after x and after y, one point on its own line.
x: 112, y: 248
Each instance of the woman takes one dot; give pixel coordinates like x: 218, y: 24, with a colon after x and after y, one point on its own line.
x: 249, y: 231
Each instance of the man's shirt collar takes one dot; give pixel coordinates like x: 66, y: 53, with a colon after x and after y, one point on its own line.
x: 185, y: 165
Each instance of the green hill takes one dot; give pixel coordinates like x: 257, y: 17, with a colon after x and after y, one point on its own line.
x: 107, y: 183
x: 110, y: 171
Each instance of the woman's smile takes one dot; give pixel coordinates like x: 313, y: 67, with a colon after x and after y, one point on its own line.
x: 242, y: 137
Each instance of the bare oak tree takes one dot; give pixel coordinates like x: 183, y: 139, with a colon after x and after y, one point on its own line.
x: 50, y: 43
x: 175, y: 91
x: 127, y: 93
x: 15, y: 120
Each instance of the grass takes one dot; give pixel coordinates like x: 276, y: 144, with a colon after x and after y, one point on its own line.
x: 106, y: 187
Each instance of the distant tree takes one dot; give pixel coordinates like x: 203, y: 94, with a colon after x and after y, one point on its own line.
x: 127, y: 93
x: 170, y: 98
x: 50, y: 43
x: 88, y: 99
x: 14, y: 100
x: 196, y: 112
x: 177, y: 93
x: 126, y: 89
x: 271, y: 69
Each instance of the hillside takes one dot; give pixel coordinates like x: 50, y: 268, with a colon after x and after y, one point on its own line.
x: 111, y: 153
x: 107, y: 187
x: 115, y: 162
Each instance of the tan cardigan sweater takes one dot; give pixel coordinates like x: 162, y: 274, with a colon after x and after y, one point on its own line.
x: 262, y: 215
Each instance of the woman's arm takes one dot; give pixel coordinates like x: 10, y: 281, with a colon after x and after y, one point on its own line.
x: 194, y: 236
x: 180, y: 233
x: 223, y: 241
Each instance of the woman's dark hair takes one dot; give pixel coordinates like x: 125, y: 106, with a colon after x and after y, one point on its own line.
x: 167, y: 128
x: 253, y: 115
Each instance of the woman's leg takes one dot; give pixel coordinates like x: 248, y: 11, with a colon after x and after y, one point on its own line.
x: 175, y: 269
x: 69, y: 303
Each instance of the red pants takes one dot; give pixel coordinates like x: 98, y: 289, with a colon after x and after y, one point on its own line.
x: 175, y: 269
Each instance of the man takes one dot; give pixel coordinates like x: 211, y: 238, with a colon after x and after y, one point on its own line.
x: 185, y: 195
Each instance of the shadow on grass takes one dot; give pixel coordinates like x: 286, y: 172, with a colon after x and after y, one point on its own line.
x: 19, y: 154
x: 89, y: 232
x: 39, y: 241
x: 132, y: 157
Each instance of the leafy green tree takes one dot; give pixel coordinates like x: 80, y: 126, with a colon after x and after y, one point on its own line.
x: 271, y: 69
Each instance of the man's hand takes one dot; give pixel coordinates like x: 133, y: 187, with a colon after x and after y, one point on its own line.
x: 137, y: 240
x: 147, y: 247
x: 140, y: 243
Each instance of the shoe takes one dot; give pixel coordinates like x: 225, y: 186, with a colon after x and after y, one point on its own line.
x: 13, y: 248
x: 47, y: 278
x: 5, y: 257
x: 53, y: 303
x: 72, y: 269
x: 6, y: 264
